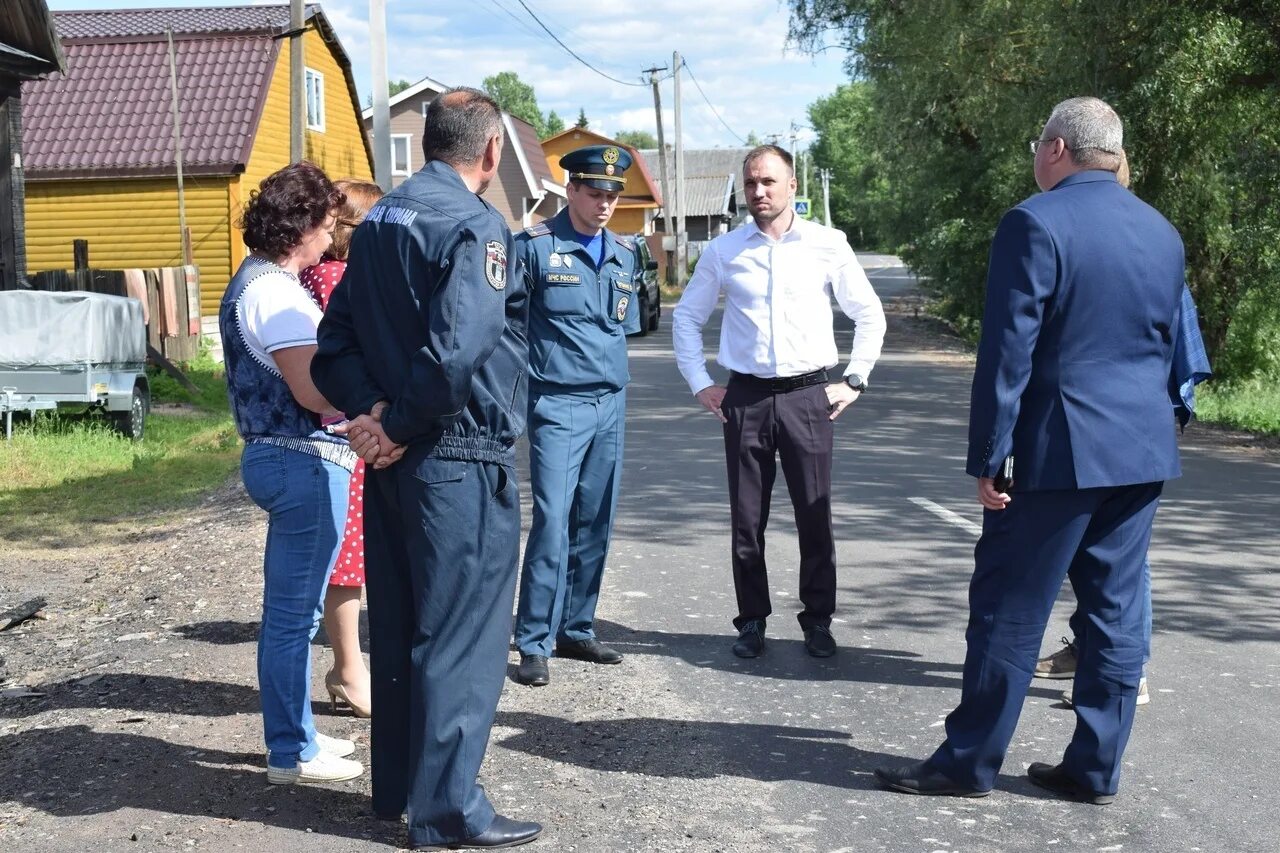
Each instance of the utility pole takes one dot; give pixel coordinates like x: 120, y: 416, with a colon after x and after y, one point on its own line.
x: 826, y: 197
x: 668, y: 228
x: 184, y: 235
x: 804, y: 173
x: 297, y: 83
x: 381, y: 97
x: 682, y: 257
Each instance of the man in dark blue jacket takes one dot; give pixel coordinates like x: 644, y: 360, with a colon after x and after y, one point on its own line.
x: 1081, y: 316
x: 424, y: 347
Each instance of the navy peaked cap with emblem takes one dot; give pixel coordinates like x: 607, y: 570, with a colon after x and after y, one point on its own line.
x: 599, y: 166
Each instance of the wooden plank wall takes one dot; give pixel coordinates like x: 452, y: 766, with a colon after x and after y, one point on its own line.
x: 176, y: 342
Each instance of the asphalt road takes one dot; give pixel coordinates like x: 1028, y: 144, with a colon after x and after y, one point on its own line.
x: 143, y: 731
x: 691, y: 748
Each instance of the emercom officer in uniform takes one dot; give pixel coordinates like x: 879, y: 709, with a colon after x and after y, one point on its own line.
x: 424, y: 348
x: 582, y: 281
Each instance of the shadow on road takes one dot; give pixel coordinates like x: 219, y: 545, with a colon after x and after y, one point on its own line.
x: 786, y: 659
x: 72, y: 771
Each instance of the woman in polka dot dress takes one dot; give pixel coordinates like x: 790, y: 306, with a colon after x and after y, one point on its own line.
x: 348, y: 680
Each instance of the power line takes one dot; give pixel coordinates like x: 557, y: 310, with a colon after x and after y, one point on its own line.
x: 522, y: 24
x: 685, y: 65
x: 574, y: 55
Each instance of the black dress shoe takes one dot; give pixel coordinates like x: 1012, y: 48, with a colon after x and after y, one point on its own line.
x: 919, y: 778
x: 503, y: 832
x: 533, y: 671
x: 750, y: 640
x: 1052, y: 777
x: 591, y: 651
x: 819, y: 642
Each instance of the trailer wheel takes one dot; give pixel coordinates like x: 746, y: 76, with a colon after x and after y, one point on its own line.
x: 131, y: 423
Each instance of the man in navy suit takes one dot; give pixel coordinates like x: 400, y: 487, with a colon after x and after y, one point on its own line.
x: 1073, y: 366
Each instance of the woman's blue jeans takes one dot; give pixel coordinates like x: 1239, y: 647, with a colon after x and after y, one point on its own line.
x: 306, y: 498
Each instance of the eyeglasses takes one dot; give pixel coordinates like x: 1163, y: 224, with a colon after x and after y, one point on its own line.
x: 1035, y: 144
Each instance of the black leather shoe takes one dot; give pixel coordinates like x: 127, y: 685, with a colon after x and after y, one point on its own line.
x: 819, y: 642
x: 918, y: 778
x: 1052, y: 777
x: 750, y: 640
x: 591, y: 651
x: 533, y: 671
x: 503, y: 832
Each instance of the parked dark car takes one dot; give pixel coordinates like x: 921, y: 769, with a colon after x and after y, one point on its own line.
x: 648, y: 291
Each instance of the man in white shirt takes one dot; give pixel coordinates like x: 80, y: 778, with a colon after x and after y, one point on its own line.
x: 778, y: 274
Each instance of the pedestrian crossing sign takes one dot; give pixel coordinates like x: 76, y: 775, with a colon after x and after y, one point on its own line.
x: 803, y: 208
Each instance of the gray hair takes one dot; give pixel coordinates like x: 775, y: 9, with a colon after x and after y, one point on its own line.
x: 459, y: 124
x: 1091, y: 129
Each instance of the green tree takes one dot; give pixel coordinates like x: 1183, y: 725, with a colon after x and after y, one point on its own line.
x: 753, y: 138
x: 862, y: 203
x: 582, y: 118
x: 637, y: 138
x: 555, y: 125
x: 957, y: 89
x: 516, y: 97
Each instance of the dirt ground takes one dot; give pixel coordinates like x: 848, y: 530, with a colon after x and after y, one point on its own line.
x: 129, y: 713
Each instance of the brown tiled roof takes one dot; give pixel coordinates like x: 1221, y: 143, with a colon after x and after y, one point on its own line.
x: 111, y: 115
x: 127, y: 24
x: 112, y: 112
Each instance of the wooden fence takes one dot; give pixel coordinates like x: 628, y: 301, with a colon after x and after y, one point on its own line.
x: 170, y: 299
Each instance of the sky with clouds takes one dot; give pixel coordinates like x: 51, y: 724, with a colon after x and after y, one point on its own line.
x: 736, y: 50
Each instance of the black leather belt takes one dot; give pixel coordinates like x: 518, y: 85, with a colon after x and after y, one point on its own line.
x: 780, y: 384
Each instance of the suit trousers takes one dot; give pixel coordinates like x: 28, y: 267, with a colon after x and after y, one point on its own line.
x: 575, y: 472
x: 1098, y: 538
x: 442, y: 539
x: 794, y: 426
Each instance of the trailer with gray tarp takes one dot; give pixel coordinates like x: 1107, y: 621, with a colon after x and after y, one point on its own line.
x: 74, y: 351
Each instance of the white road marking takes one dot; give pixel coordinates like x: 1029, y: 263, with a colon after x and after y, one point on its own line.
x: 948, y: 516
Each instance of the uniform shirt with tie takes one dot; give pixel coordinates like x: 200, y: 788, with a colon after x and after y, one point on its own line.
x: 582, y: 307
x: 777, y: 314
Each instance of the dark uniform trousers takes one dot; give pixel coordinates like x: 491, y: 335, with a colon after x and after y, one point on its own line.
x: 1098, y: 538
x: 765, y: 424
x: 442, y: 539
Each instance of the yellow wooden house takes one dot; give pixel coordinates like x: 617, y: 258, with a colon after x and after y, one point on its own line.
x: 100, y: 160
x: 638, y: 204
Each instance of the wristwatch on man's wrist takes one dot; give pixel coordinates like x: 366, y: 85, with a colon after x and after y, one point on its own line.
x: 856, y: 382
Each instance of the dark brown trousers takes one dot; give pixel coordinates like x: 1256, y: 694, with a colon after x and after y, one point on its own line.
x: 765, y: 425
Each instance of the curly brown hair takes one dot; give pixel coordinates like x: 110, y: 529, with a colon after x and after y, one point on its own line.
x: 287, y: 204
x: 361, y: 196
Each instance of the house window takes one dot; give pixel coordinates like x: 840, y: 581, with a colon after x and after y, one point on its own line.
x: 401, y: 164
x: 315, y: 100
x: 425, y: 104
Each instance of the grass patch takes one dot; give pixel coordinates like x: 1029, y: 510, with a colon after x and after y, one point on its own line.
x: 63, y: 477
x: 1254, y: 406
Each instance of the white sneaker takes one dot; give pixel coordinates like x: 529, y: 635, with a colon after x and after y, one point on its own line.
x: 1144, y: 696
x: 323, y: 768
x: 335, y: 746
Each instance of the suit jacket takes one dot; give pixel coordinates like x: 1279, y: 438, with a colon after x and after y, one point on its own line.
x: 1082, y: 311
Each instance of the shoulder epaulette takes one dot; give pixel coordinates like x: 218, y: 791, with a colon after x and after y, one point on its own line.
x: 539, y: 229
x: 626, y: 242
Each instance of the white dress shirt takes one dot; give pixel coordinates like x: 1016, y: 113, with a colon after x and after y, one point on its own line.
x: 777, y: 310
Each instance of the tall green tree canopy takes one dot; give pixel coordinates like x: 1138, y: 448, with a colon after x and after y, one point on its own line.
x: 516, y: 97
x: 555, y: 124
x: 582, y: 118
x: 637, y: 138
x: 953, y: 91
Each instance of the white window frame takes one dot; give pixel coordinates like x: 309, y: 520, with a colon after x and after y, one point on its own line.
x: 315, y: 89
x: 408, y: 153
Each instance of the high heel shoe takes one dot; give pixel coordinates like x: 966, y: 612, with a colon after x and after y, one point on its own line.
x: 338, y: 693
